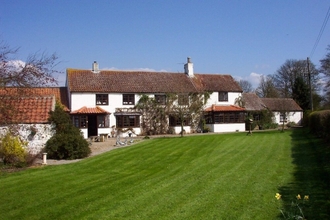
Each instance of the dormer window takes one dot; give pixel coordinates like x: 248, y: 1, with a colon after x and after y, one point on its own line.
x: 102, y: 99
x: 128, y: 99
x: 223, y: 96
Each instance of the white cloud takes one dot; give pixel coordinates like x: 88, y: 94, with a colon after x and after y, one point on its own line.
x: 15, y: 65
x: 253, y: 78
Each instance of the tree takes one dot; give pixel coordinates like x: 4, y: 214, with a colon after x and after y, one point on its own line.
x: 286, y: 75
x: 266, y: 88
x: 154, y: 120
x: 300, y: 93
x: 188, y: 108
x: 37, y: 71
x: 325, y: 70
x: 245, y: 85
x: 68, y: 142
x: 182, y: 109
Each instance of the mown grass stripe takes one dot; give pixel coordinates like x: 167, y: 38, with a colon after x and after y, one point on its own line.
x: 222, y: 176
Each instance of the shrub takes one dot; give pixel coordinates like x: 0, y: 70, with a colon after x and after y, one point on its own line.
x: 67, y: 143
x: 67, y: 146
x: 12, y: 151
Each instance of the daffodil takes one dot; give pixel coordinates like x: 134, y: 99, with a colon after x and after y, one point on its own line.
x: 306, y: 197
x: 278, y: 196
x: 298, y: 196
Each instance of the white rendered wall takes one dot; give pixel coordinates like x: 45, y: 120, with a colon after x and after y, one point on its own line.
x: 177, y: 129
x: 214, y: 97
x: 226, y: 127
x: 295, y: 117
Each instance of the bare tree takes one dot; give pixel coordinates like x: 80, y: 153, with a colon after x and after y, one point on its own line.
x: 285, y: 76
x: 36, y: 71
x: 266, y: 88
x: 245, y: 85
x: 325, y: 70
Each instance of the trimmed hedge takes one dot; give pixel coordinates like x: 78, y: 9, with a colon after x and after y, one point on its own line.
x: 319, y: 123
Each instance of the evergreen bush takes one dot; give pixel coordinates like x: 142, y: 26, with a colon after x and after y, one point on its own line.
x: 68, y: 142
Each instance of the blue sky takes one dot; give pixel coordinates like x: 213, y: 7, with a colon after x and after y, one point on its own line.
x: 243, y: 38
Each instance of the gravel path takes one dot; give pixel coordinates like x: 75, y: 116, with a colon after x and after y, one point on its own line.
x: 96, y: 148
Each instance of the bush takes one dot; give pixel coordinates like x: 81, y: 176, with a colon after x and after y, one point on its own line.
x: 67, y: 146
x: 67, y: 143
x: 12, y: 151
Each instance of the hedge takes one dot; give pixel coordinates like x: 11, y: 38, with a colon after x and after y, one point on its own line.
x: 319, y: 123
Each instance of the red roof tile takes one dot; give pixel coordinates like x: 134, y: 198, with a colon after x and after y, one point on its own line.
x: 27, y: 110
x: 147, y: 82
x: 94, y: 110
x: 60, y: 93
x: 224, y: 108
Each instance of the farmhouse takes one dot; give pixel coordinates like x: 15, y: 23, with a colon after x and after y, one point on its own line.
x: 101, y: 99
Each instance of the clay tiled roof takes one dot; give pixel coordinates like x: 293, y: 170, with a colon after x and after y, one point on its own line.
x: 60, y: 93
x: 218, y: 82
x: 224, y: 108
x: 27, y: 110
x: 252, y: 102
x: 147, y: 82
x: 95, y: 110
x: 281, y: 104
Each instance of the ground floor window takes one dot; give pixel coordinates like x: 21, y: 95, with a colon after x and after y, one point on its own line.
x: 224, y: 117
x: 283, y: 118
x: 175, y: 121
x: 80, y: 121
x: 103, y: 121
x: 127, y: 121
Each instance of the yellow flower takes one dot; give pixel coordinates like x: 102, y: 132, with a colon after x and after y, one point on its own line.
x: 306, y: 197
x: 298, y: 196
x: 278, y: 196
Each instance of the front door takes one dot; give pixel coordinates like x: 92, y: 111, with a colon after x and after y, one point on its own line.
x: 92, y: 125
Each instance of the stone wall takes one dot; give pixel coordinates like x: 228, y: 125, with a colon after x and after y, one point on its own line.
x: 35, y: 134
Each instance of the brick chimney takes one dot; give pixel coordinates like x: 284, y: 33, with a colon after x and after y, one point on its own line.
x: 189, y: 68
x: 95, y: 67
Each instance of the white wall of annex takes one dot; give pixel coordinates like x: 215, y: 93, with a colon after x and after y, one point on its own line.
x: 295, y: 117
x: 226, y: 127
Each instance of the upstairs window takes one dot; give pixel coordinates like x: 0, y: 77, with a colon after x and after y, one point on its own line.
x: 128, y: 99
x: 183, y: 99
x: 102, y: 99
x: 160, y: 99
x: 223, y: 96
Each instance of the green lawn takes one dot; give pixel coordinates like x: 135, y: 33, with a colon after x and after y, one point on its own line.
x: 221, y: 176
